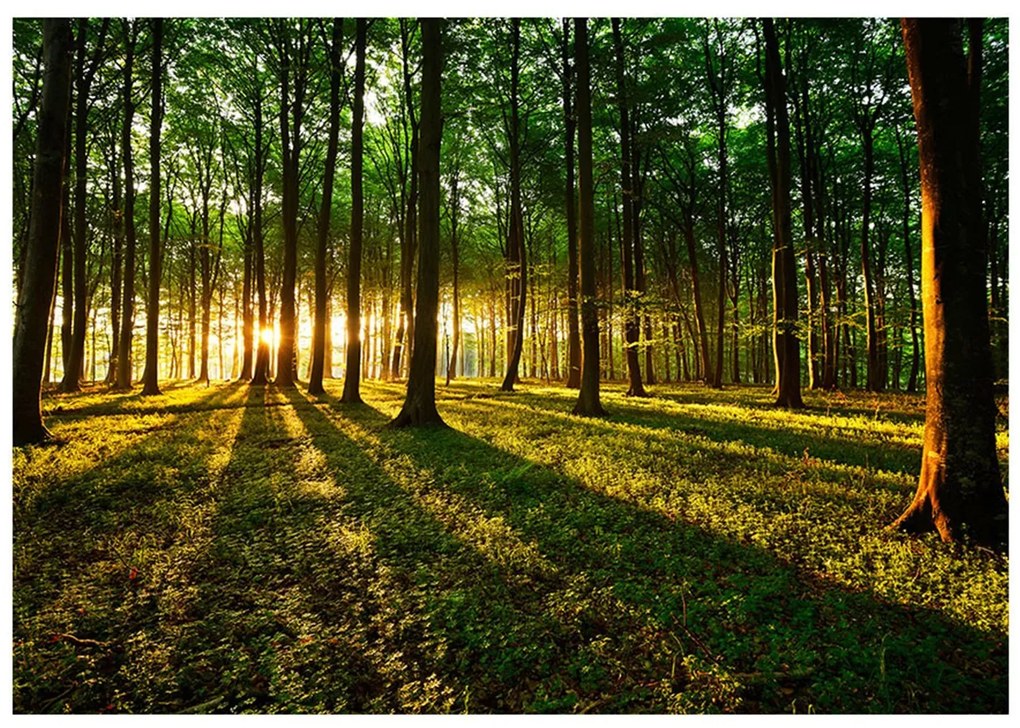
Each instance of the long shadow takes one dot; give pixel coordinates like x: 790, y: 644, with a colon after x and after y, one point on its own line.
x: 751, y: 632
x: 89, y: 568
x: 877, y: 453
x: 824, y: 479
x: 134, y: 403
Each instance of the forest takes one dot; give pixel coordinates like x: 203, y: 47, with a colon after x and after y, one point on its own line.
x: 510, y: 365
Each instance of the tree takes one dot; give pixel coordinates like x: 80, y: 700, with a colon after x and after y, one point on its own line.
x: 150, y: 383
x: 631, y: 324
x: 352, y: 376
x: 570, y: 123
x: 419, y: 406
x: 85, y: 69
x: 588, y: 402
x: 784, y: 265
x: 518, y: 265
x: 325, y: 210
x: 959, y: 491
x: 127, y: 316
x: 292, y: 69
x: 39, y: 276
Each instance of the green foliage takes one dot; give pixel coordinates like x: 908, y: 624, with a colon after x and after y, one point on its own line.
x: 243, y: 550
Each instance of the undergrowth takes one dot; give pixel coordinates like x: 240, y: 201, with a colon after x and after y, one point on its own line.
x: 235, y: 549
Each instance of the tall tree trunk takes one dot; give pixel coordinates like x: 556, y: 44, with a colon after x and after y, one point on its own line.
x: 573, y: 330
x: 588, y: 402
x: 292, y: 72
x: 352, y: 376
x: 150, y: 384
x: 451, y: 368
x: 874, y: 383
x: 127, y: 317
x: 959, y: 491
x: 325, y: 209
x: 518, y: 261
x: 631, y: 325
x: 262, y: 355
x: 39, y: 276
x: 908, y: 255
x: 419, y: 406
x: 784, y: 265
x: 85, y: 69
x: 247, y: 322
x: 116, y: 263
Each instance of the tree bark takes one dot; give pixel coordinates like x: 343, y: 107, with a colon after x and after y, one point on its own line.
x: 784, y: 266
x: 588, y: 402
x: 518, y: 268
x: 150, y: 384
x: 318, y: 360
x: 419, y: 406
x: 631, y: 324
x: 352, y: 375
x: 36, y: 293
x: 570, y: 123
x: 127, y: 316
x: 959, y: 490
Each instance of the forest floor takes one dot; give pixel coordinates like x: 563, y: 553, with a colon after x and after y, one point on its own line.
x: 229, y: 549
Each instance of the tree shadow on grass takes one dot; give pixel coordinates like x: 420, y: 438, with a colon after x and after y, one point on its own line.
x: 92, y: 553
x: 828, y: 442
x: 664, y: 615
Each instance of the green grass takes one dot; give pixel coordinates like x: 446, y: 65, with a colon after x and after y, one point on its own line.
x: 230, y: 549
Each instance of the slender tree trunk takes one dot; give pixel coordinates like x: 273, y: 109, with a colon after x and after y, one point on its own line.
x: 325, y: 210
x: 419, y: 406
x: 352, y: 376
x: 908, y: 254
x: 128, y: 293
x: 959, y: 491
x: 874, y: 383
x: 79, y: 316
x: 150, y: 383
x: 39, y: 276
x: 116, y: 263
x: 573, y: 330
x: 631, y: 325
x: 261, y: 374
x: 518, y: 262
x: 451, y: 369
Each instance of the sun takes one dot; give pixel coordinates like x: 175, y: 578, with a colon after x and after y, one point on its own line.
x: 266, y: 336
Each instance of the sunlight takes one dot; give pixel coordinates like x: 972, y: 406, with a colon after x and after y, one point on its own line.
x: 266, y: 335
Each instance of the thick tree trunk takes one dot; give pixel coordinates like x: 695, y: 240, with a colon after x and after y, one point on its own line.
x: 588, y: 402
x: 352, y: 375
x: 150, y: 384
x: 39, y: 276
x: 419, y: 406
x: 784, y: 266
x: 959, y: 491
